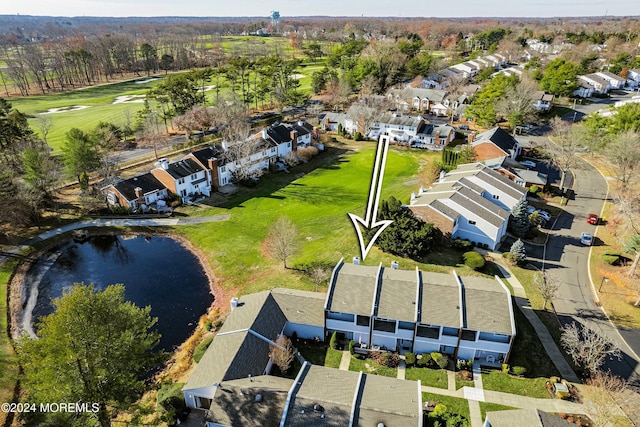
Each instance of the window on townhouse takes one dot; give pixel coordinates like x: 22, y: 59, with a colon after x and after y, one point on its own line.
x: 450, y: 332
x: 194, y: 176
x: 428, y: 332
x: 181, y: 181
x: 223, y: 169
x: 408, y: 326
x: 363, y: 320
x: 468, y: 335
x: 384, y: 325
x: 472, y: 222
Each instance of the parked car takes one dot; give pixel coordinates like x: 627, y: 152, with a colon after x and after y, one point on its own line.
x: 463, y: 127
x: 546, y: 215
x: 592, y: 219
x: 586, y: 239
x: 528, y: 164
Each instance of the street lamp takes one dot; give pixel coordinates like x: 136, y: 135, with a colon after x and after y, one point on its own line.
x: 604, y: 279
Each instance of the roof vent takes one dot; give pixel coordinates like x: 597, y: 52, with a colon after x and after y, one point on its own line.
x: 381, y: 425
x: 394, y: 265
x: 234, y: 302
x: 318, y: 408
x: 258, y: 397
x: 356, y: 260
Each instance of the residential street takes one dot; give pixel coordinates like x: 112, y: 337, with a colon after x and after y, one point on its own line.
x: 568, y: 259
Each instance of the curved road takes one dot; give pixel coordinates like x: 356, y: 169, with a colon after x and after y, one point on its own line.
x: 569, y: 260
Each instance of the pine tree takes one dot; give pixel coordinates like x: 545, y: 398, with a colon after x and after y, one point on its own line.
x: 519, y: 222
x: 517, y: 253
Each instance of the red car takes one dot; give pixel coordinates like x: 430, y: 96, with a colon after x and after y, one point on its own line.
x: 592, y: 219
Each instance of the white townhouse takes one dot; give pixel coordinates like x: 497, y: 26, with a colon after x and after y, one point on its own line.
x: 542, y: 101
x: 138, y: 193
x: 433, y: 137
x: 467, y: 69
x: 596, y: 81
x: 420, y: 99
x: 392, y: 309
x: 401, y: 128
x: 615, y: 82
x: 472, y: 202
x: 185, y: 178
x: 633, y: 77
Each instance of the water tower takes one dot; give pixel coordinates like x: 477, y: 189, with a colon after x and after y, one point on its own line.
x: 275, y: 20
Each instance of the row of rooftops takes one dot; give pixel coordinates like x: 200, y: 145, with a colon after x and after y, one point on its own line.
x: 421, y: 297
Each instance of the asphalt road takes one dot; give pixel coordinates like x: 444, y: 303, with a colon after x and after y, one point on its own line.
x: 569, y: 260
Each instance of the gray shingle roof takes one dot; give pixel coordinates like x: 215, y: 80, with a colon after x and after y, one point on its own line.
x: 330, y: 388
x: 526, y: 417
x: 373, y: 405
x: 487, y: 305
x: 353, y: 290
x: 440, y: 303
x: 147, y: 182
x: 183, y: 168
x: 497, y: 136
x: 477, y: 204
x: 300, y: 306
x: 397, y: 298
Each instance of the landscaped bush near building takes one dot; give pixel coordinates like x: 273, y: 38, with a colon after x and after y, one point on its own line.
x: 171, y: 401
x: 201, y: 348
x: 424, y: 360
x: 410, y: 359
x: 519, y: 370
x: 473, y: 260
x: 463, y: 245
x: 333, y: 341
x: 440, y: 359
x: 385, y: 358
x: 352, y: 344
x: 306, y: 153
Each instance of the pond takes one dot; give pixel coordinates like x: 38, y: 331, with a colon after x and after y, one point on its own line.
x: 156, y: 271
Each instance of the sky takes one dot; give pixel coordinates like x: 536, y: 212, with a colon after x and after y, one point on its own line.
x: 393, y: 8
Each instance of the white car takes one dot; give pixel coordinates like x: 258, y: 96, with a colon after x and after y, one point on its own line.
x: 528, y: 164
x: 586, y: 239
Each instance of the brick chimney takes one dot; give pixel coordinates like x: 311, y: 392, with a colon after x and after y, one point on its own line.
x: 213, y: 172
x: 438, y: 138
x: 472, y: 135
x: 138, y: 192
x: 293, y: 134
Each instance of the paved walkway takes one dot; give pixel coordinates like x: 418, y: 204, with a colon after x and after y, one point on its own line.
x: 345, y: 361
x: 402, y: 367
x: 112, y: 222
x: 451, y: 380
x: 522, y: 302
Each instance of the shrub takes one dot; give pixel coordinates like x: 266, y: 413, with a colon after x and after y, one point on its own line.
x: 463, y: 245
x: 333, y: 342
x: 439, y: 410
x: 534, y: 189
x: 410, y: 359
x: 440, y: 359
x: 307, y: 153
x: 554, y: 380
x: 171, y: 401
x: 352, y: 344
x: 385, y: 358
x: 610, y: 258
x: 208, y: 325
x: 506, y: 368
x: 424, y: 360
x: 201, y: 348
x: 519, y: 370
x: 473, y: 260
x: 357, y: 136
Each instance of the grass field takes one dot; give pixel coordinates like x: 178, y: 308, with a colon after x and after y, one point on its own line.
x: 492, y: 407
x: 454, y: 405
x: 317, y: 203
x: 427, y: 376
x: 369, y: 366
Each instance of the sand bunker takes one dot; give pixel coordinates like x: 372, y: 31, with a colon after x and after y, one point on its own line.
x: 65, y: 109
x: 139, y: 82
x: 129, y: 99
x: 298, y: 76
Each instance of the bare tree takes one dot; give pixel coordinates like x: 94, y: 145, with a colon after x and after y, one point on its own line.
x: 282, y: 353
x: 232, y: 116
x: 587, y: 348
x: 517, y: 105
x: 281, y: 239
x: 44, y: 123
x: 547, y: 284
x: 628, y: 204
x: 606, y: 389
x: 318, y: 275
x: 565, y: 146
x: 624, y: 154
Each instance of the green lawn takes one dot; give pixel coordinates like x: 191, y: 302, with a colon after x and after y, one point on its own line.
x: 427, y: 376
x: 462, y: 383
x: 319, y: 354
x: 370, y: 366
x: 454, y: 405
x: 492, y: 407
x: 499, y: 381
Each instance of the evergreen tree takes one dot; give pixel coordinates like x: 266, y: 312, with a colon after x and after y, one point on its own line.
x: 517, y: 253
x: 519, y: 222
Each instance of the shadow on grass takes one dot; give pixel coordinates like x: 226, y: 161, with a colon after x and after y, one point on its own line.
x: 270, y: 184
